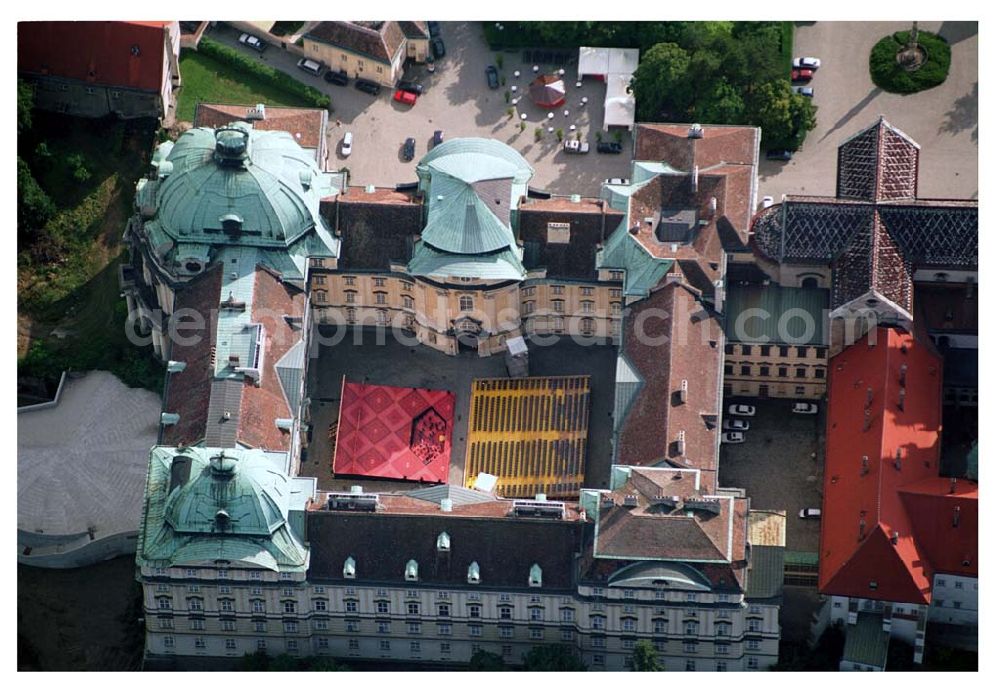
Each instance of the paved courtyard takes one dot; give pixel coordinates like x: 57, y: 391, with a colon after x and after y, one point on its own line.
x: 777, y: 468
x: 361, y: 357
x: 458, y: 101
x: 943, y: 120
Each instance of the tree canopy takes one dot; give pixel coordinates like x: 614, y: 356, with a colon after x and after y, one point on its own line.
x: 644, y: 657
x: 553, y: 657
x: 486, y: 661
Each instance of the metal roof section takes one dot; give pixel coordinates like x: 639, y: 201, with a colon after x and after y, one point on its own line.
x: 502, y: 265
x: 460, y: 222
x: 867, y: 643
x: 238, y: 342
x: 777, y: 314
x: 236, y: 186
x: 677, y: 575
x: 207, y: 504
x: 223, y: 418
x: 290, y: 369
x: 472, y: 159
x: 627, y: 385
x: 642, y: 270
x: 458, y: 495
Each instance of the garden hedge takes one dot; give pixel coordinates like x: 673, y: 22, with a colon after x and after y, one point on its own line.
x: 887, y: 74
x: 265, y: 73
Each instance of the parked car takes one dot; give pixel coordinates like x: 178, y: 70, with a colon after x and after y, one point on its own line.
x: 405, y: 97
x: 348, y: 145
x: 574, y: 146
x: 741, y: 410
x: 253, y: 42
x: 616, y: 180
x: 411, y: 86
x: 802, y: 74
x: 409, y: 149
x: 806, y: 62
x: 810, y: 513
x: 735, y: 425
x: 311, y: 66
x: 491, y: 77
x: 733, y: 437
x: 767, y: 202
x: 368, y: 86
x: 437, y: 47
x: 434, y: 28
x: 805, y: 408
x: 339, y: 78
x: 806, y: 91
x: 438, y: 138
x: 779, y: 155
x: 609, y: 147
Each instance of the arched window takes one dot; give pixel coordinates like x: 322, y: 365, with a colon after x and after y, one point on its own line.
x: 810, y: 282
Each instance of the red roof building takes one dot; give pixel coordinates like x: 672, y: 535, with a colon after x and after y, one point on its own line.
x: 73, y: 63
x: 889, y: 521
x: 396, y: 433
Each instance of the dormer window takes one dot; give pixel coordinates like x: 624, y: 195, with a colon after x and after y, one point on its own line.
x: 443, y: 543
x: 535, y: 576
x: 473, y: 575
x: 232, y: 223
x: 349, y: 569
x: 411, y: 571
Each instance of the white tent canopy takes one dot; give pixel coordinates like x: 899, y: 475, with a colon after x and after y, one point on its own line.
x: 616, y: 66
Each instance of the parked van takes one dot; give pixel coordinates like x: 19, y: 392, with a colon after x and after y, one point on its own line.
x: 310, y: 66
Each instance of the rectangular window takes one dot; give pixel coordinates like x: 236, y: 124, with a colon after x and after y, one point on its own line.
x: 379, y: 282
x: 444, y: 628
x: 628, y: 643
x: 196, y: 605
x: 413, y: 628
x: 615, y: 293
x: 353, y: 626
x: 506, y: 613
x: 260, y: 626
x: 557, y: 289
x: 383, y: 628
x: 527, y: 307
x: 320, y: 296
x: 257, y: 605
x: 381, y: 298
x: 382, y: 607
x: 729, y: 349
x: 752, y: 662
x: 320, y: 624
x: 728, y: 369
x: 228, y: 626
x: 475, y: 631
x: 568, y: 615
x: 782, y: 372
x: 765, y: 350
x: 782, y: 350
x: 690, y: 648
x: 586, y: 291
x: 166, y: 623
x: 226, y: 605
x: 446, y: 647
x: 753, y: 644
x: 536, y: 614
x: 800, y: 373
x: 474, y: 611
x: 291, y: 626
x: 319, y: 279
x: 319, y: 605
x: 414, y: 647
x: 536, y: 634
x: 230, y: 643
x: 199, y: 642
x: 689, y: 665
x: 587, y: 307
x: 262, y: 645
x: 690, y: 628
x: 412, y: 608
x: 351, y: 606
x: 168, y: 641
x: 765, y: 371
x: 558, y: 306
x: 819, y: 373
x: 506, y: 631
x: 660, y: 627
x: 747, y: 350
x: 597, y: 622
x: 720, y: 666
x: 628, y: 625
x: 289, y: 607
x: 348, y: 280
x: 352, y: 644
x: 744, y: 370
x: 599, y: 642
x: 566, y: 634
x: 802, y: 352
x: 444, y: 609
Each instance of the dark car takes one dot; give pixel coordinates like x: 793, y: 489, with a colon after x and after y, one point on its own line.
x: 411, y: 86
x: 409, y: 148
x: 491, y: 77
x: 434, y: 28
x: 437, y: 45
x: 438, y: 138
x: 609, y: 147
x: 338, y: 78
x: 779, y: 155
x: 368, y: 86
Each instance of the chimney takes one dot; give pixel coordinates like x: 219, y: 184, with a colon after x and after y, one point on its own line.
x: 902, y: 398
x: 175, y: 367
x: 895, y: 537
x: 694, y: 180
x: 234, y: 360
x: 171, y: 418
x: 869, y: 396
x: 684, y: 391
x: 864, y: 465
x: 680, y: 443
x: 861, y: 529
x: 902, y: 375
x: 898, y: 461
x: 445, y: 505
x: 696, y: 132
x: 713, y: 206
x: 540, y: 497
x: 955, y: 514
x: 952, y: 484
x: 356, y: 489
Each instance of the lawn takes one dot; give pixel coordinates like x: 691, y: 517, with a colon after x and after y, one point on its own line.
x: 211, y: 81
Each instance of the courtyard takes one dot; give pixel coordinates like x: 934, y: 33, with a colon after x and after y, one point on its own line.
x: 457, y: 100
x: 364, y: 355
x: 780, y: 466
x: 943, y: 120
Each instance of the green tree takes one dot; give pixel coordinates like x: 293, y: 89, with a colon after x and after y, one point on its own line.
x: 323, y: 663
x: 784, y: 116
x: 661, y: 83
x: 644, y: 657
x: 258, y: 661
x: 553, y: 657
x: 25, y: 102
x: 284, y: 662
x: 723, y: 104
x: 34, y: 207
x: 486, y: 661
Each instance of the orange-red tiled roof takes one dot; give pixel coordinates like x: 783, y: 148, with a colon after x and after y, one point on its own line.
x: 886, y: 523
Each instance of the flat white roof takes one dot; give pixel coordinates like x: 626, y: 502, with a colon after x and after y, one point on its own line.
x: 619, y: 103
x: 604, y: 61
x: 82, y: 463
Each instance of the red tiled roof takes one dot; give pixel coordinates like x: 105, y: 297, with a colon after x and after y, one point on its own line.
x: 882, y: 520
x: 306, y: 125
x: 189, y: 391
x: 675, y: 346
x: 670, y: 143
x: 110, y: 53
x: 264, y: 403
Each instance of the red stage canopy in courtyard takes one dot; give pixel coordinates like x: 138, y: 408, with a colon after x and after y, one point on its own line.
x: 395, y: 433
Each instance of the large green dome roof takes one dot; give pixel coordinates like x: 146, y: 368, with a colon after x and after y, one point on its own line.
x: 261, y: 182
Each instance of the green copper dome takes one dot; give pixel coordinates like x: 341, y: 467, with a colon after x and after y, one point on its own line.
x: 237, y: 184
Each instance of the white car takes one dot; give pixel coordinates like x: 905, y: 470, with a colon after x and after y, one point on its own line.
x: 742, y: 410
x: 805, y: 408
x: 253, y: 42
x: 809, y: 513
x: 806, y: 91
x: 735, y: 425
x: 346, y: 147
x: 806, y: 63
x: 767, y: 202
x: 733, y: 437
